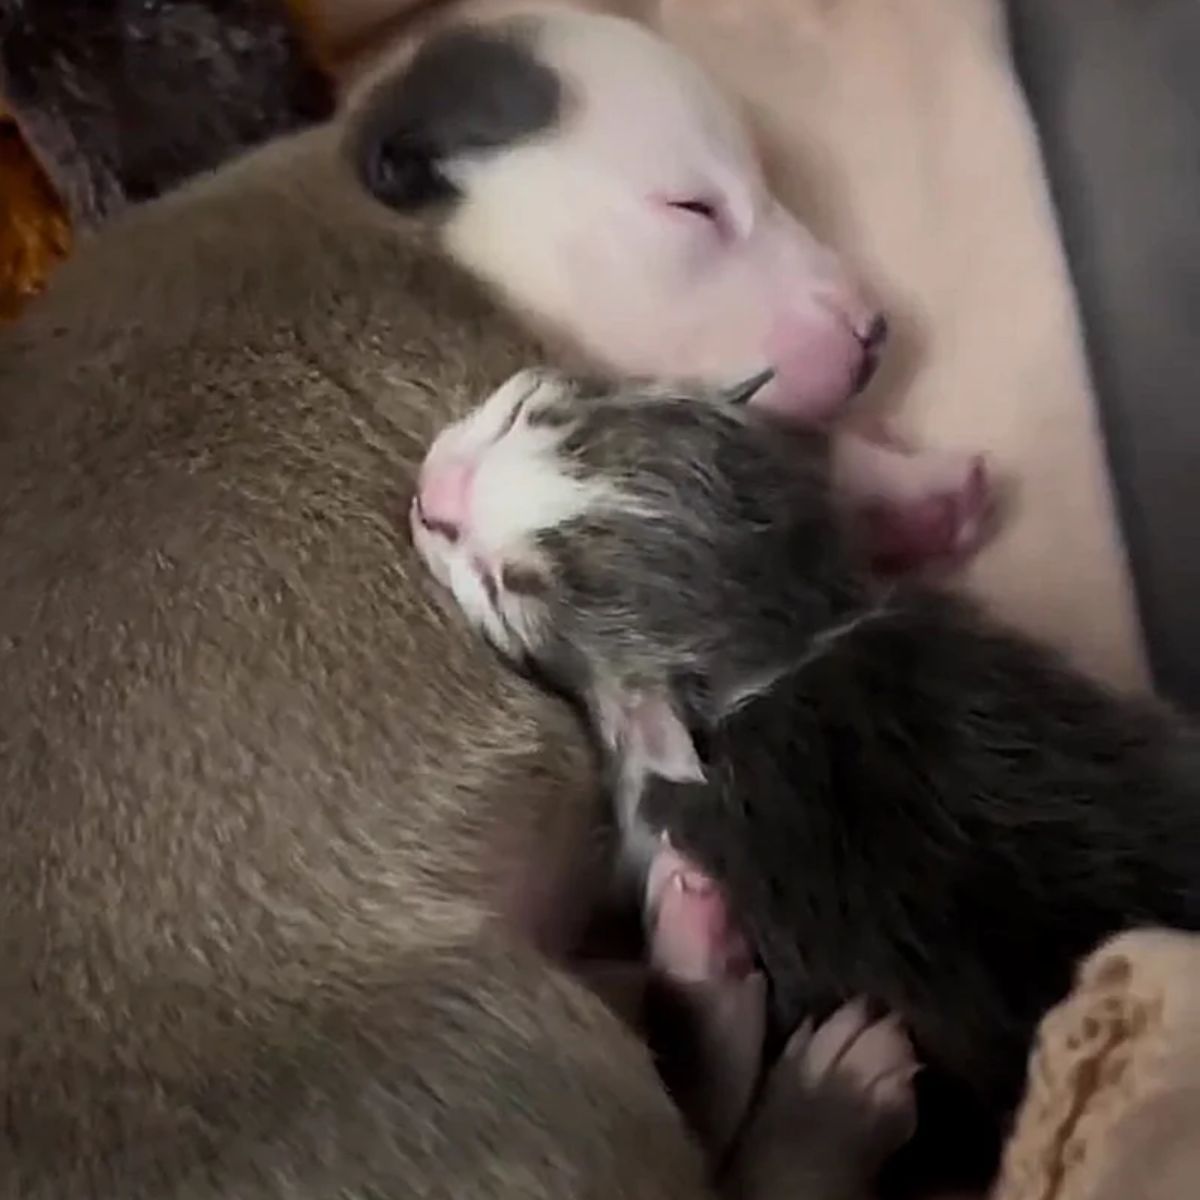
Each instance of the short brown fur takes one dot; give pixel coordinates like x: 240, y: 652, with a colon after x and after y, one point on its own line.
x: 260, y: 796
x: 281, y: 847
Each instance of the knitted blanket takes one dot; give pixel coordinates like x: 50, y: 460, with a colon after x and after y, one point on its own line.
x: 1113, y: 1106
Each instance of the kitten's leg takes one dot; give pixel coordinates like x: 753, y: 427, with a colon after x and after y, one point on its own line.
x: 707, y: 1006
x: 837, y: 1103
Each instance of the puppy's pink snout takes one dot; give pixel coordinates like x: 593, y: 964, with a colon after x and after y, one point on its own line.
x: 444, y: 498
x: 823, y: 359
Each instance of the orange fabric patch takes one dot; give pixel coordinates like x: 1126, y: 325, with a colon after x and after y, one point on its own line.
x: 34, y: 231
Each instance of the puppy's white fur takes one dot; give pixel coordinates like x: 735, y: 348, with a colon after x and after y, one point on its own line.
x: 660, y: 289
x: 596, y: 228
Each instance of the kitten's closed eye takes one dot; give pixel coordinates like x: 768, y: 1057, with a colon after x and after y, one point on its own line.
x: 523, y: 580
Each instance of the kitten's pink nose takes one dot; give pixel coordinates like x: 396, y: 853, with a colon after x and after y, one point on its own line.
x: 444, y: 497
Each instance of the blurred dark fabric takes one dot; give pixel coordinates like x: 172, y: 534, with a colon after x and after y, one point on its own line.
x: 1114, y: 86
x: 122, y: 100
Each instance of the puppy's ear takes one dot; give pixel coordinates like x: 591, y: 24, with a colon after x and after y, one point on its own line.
x: 467, y: 92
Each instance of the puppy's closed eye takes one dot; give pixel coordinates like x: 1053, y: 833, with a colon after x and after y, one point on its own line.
x: 705, y: 209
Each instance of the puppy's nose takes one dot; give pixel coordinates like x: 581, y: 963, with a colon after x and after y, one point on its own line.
x: 444, y: 498
x: 872, y: 335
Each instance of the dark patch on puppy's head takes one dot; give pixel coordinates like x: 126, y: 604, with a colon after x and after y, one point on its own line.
x: 467, y: 91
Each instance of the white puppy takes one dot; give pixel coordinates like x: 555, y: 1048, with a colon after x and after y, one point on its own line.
x: 637, y: 225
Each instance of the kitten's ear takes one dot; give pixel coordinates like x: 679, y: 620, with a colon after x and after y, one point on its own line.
x: 651, y: 735
x: 745, y: 391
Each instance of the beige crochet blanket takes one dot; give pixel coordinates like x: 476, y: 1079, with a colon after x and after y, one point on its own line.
x: 1113, y: 1107
x: 897, y: 129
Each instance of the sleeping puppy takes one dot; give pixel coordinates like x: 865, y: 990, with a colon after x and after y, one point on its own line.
x: 898, y: 798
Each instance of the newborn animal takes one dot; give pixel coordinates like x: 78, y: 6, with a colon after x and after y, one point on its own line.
x: 898, y: 798
x: 287, y: 863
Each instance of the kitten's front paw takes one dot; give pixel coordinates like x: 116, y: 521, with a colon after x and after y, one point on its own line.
x: 871, y: 1061
x: 859, y: 1068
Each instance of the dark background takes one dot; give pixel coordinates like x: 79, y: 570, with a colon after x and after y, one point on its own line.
x: 1115, y: 90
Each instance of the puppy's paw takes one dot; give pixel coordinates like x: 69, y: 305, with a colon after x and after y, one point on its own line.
x: 945, y: 519
x: 912, y: 508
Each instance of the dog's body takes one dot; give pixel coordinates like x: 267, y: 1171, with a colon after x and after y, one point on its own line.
x: 902, y: 800
x: 283, y: 852
x: 214, y: 544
